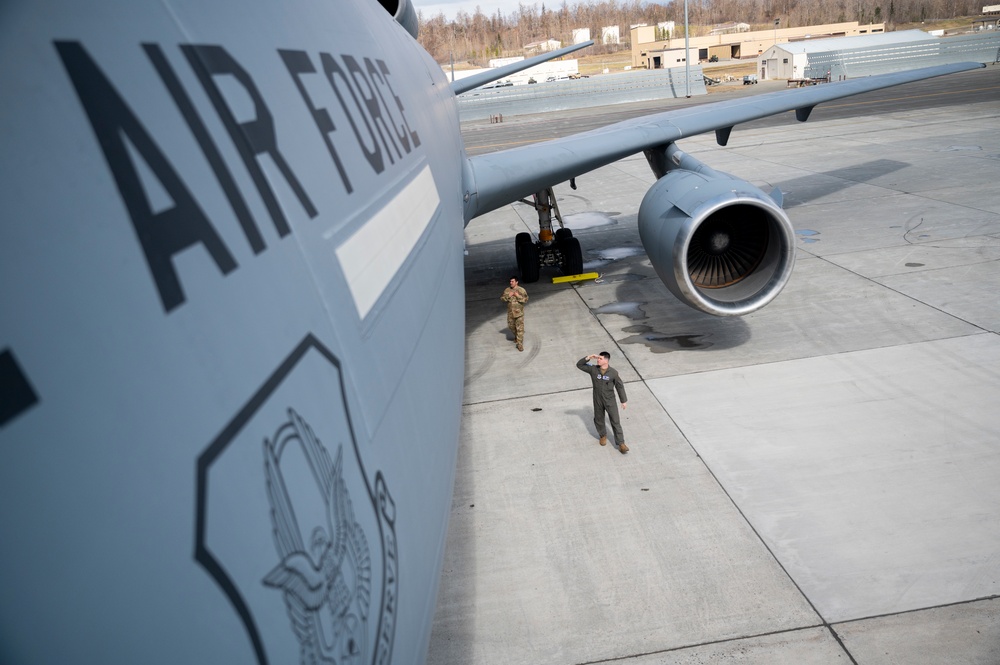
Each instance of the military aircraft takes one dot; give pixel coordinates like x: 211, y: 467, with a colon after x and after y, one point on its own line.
x: 231, y: 352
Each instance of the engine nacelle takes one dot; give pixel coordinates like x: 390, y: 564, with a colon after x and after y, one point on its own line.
x: 404, y: 13
x: 717, y: 242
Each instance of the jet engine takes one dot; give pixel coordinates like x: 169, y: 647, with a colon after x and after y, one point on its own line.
x: 404, y: 13
x: 718, y: 243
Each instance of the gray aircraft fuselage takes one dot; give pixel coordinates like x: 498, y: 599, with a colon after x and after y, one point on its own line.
x: 232, y: 333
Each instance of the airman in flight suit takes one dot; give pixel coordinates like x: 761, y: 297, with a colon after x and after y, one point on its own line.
x: 606, y: 381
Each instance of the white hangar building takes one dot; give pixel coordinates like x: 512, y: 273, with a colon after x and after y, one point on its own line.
x: 791, y: 60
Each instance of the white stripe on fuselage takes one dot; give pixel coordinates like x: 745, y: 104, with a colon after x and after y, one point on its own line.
x: 374, y: 253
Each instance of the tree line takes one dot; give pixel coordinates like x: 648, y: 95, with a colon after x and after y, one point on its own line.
x: 478, y: 37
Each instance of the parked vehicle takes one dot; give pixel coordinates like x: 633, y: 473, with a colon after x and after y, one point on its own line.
x: 750, y: 79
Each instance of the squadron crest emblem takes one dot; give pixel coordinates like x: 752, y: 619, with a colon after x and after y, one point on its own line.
x: 301, y: 541
x: 326, y: 580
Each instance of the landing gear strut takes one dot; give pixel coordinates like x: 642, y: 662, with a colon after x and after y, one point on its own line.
x: 558, y: 249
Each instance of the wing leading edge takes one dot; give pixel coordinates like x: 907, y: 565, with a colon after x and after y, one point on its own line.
x: 499, y: 178
x: 472, y: 82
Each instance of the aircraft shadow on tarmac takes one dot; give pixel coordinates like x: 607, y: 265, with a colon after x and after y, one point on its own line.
x: 805, y: 190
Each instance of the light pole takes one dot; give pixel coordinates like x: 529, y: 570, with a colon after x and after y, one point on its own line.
x: 687, y: 55
x: 776, y: 22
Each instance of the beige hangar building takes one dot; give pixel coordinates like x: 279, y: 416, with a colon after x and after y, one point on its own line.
x: 650, y: 53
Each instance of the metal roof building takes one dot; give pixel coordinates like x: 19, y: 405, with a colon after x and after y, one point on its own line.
x: 865, y: 55
x: 792, y: 60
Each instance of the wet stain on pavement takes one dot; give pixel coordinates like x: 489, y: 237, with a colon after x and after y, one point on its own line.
x: 616, y: 253
x: 658, y: 342
x: 588, y: 220
x: 632, y: 310
x: 805, y: 235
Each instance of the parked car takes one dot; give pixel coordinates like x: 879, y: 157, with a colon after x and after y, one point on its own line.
x: 750, y: 79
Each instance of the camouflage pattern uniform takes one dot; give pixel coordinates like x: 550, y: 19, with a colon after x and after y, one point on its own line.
x: 605, y: 384
x: 515, y: 298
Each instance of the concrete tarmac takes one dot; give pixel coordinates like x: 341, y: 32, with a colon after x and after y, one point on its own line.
x: 818, y: 482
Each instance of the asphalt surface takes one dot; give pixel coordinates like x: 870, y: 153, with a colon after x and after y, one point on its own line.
x: 812, y: 483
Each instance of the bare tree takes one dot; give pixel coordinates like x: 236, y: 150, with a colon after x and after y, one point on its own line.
x: 479, y: 37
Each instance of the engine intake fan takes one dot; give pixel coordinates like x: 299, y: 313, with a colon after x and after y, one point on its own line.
x: 717, y: 242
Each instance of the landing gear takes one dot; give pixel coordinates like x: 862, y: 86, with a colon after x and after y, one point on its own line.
x: 560, y: 249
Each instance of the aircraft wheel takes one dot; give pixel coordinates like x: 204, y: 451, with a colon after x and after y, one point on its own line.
x: 563, y: 233
x: 527, y: 258
x: 520, y: 240
x: 572, y: 256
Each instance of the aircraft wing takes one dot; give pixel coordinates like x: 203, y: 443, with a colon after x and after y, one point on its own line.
x: 496, y: 179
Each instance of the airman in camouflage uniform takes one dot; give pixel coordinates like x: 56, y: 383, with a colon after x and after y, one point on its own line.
x: 515, y: 296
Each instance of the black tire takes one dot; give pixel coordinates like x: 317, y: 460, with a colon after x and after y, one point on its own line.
x: 563, y: 233
x: 531, y: 265
x: 520, y: 240
x: 572, y: 256
x: 527, y: 261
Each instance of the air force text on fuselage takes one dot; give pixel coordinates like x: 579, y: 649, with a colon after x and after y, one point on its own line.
x: 361, y: 85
